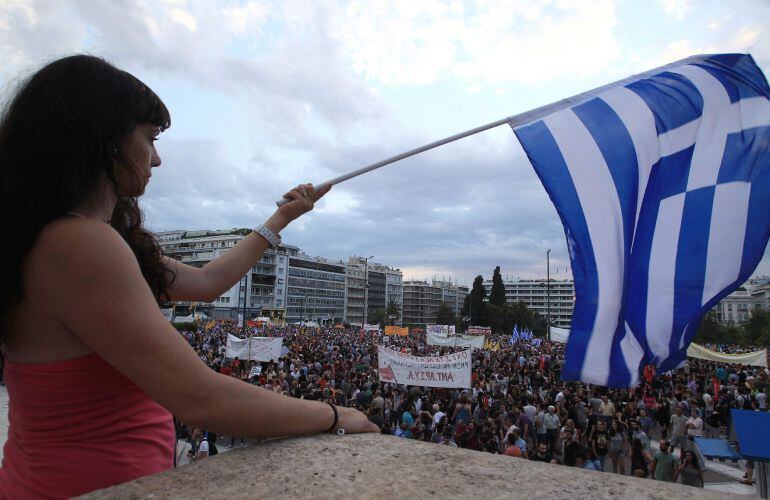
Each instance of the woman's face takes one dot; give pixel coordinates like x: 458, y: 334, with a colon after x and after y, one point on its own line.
x: 139, y: 156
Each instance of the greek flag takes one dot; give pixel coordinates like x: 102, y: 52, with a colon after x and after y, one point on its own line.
x: 662, y: 183
x: 514, y: 335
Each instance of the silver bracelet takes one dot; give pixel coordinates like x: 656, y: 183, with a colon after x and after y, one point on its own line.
x: 271, y: 237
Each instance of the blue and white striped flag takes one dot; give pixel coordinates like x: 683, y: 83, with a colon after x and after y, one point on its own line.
x: 662, y: 183
x: 514, y: 335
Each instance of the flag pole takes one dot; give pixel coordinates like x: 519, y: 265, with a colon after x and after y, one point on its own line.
x: 513, y: 121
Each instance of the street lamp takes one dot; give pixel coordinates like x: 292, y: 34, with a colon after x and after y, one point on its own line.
x: 366, y: 290
x: 245, y: 297
x: 548, y: 294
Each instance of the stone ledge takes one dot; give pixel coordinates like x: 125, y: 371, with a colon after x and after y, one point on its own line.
x: 384, y: 467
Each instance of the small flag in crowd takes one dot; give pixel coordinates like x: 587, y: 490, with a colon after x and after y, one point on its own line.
x: 514, y: 335
x: 661, y: 182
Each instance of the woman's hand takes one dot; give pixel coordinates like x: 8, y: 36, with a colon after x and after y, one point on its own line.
x: 354, y: 421
x: 303, y: 198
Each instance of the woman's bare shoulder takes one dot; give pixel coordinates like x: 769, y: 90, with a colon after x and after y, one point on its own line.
x: 72, y: 241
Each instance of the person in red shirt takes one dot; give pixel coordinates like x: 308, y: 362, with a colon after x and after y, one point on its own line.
x: 511, y: 449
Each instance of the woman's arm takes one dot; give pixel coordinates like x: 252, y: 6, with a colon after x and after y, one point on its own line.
x: 219, y: 275
x: 97, y: 291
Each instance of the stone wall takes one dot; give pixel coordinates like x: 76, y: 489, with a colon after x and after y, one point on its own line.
x: 384, y: 467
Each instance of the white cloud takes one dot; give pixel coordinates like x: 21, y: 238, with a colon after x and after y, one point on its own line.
x: 422, y: 42
x: 676, y: 9
x: 184, y: 18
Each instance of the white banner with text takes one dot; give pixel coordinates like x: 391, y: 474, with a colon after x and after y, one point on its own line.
x: 254, y: 348
x: 476, y: 341
x: 450, y: 371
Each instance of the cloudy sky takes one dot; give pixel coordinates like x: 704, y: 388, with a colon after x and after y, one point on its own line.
x: 265, y: 95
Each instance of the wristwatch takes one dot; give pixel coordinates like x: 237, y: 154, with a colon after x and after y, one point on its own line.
x: 271, y: 237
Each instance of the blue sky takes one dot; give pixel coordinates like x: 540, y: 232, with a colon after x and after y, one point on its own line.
x: 265, y: 95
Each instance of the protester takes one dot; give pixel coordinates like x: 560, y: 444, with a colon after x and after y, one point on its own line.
x: 664, y: 464
x: 689, y: 471
x: 679, y: 428
x: 639, y: 458
x: 616, y: 448
x: 88, y: 354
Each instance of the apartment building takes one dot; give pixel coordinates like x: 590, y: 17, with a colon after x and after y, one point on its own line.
x: 534, y: 294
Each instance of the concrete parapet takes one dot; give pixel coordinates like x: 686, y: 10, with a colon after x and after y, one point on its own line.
x: 384, y: 467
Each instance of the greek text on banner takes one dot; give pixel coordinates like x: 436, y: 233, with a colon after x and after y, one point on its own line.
x: 450, y: 371
x: 254, y: 348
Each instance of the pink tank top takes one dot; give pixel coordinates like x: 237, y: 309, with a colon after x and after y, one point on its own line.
x: 77, y: 426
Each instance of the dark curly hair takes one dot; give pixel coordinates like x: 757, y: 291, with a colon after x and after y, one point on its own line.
x: 60, y: 136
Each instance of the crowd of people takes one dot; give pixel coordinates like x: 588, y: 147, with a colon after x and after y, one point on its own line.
x: 517, y: 405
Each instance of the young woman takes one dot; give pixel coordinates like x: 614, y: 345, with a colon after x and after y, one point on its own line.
x: 689, y: 471
x: 89, y: 356
x: 616, y: 448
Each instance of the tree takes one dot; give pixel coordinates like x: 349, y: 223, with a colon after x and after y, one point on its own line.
x: 376, y: 316
x: 755, y: 331
x: 497, y: 294
x: 445, y: 315
x: 392, y: 312
x: 498, y: 318
x: 757, y: 328
x: 710, y: 331
x: 477, y: 306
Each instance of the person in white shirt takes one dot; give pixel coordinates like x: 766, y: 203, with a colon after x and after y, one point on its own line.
x: 530, y: 411
x: 708, y: 401
x: 761, y: 399
x: 437, y: 415
x: 694, y: 424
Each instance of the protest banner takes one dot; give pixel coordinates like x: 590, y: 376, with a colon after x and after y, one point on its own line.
x: 479, y: 330
x: 476, y: 341
x: 754, y: 358
x: 450, y: 371
x: 441, y: 330
x: 560, y: 335
x: 254, y: 348
x: 396, y: 330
